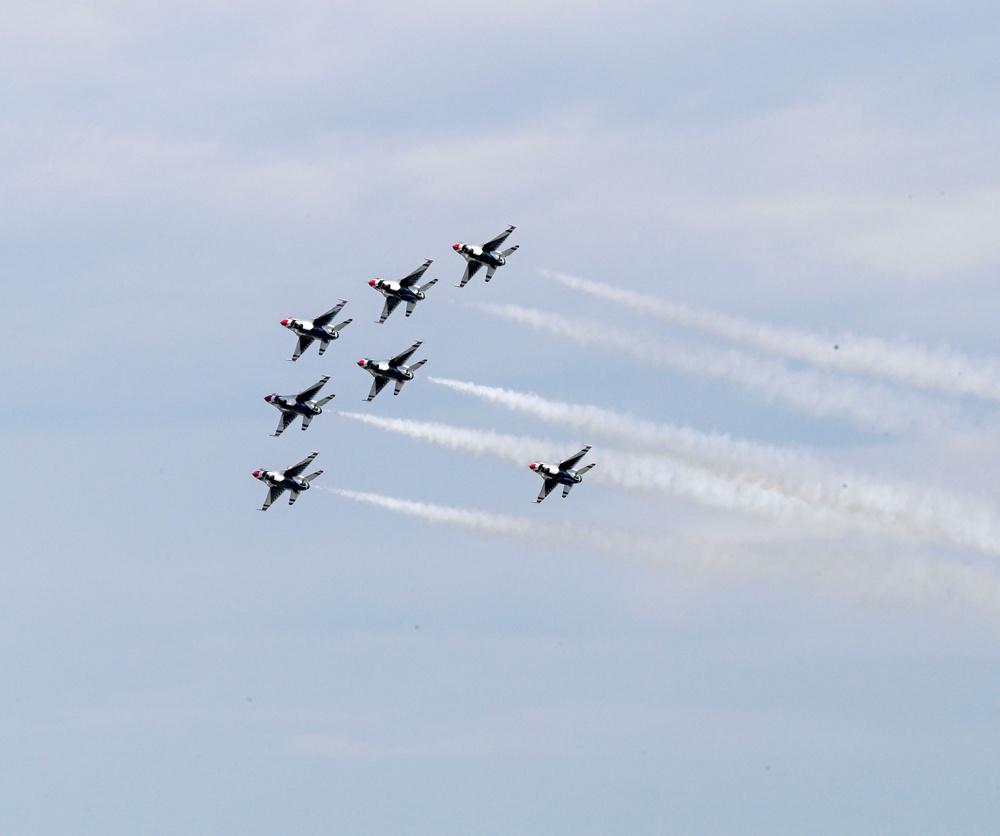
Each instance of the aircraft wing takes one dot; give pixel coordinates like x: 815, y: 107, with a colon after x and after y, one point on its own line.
x: 378, y: 384
x: 388, y: 308
x: 470, y: 270
x: 310, y: 393
x: 296, y: 469
x: 327, y: 318
x: 272, y: 494
x: 494, y: 243
x: 402, y: 357
x: 302, y: 345
x: 283, y: 422
x: 572, y: 461
x: 414, y: 277
x: 547, y: 487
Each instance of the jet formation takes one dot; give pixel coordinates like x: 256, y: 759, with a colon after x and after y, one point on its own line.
x: 408, y: 291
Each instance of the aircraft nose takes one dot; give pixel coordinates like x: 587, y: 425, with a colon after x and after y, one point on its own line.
x: 268, y: 398
x: 361, y: 362
x: 455, y: 246
x: 256, y: 474
x: 533, y: 465
x: 372, y: 282
x: 284, y: 322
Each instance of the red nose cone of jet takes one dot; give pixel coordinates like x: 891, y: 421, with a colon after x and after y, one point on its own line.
x: 361, y: 362
x: 256, y: 473
x: 372, y: 282
x: 284, y: 322
x: 455, y: 246
x: 268, y: 398
x: 533, y: 465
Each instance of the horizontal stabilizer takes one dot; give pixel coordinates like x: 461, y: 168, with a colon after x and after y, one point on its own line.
x: 312, y: 476
x: 507, y: 252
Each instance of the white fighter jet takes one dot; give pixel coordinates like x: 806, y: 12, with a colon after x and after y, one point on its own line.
x: 392, y: 369
x: 484, y: 254
x: 288, y: 480
x: 560, y: 474
x: 303, y: 404
x: 405, y: 290
x: 316, y: 329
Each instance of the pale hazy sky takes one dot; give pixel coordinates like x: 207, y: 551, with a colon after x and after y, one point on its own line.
x: 775, y: 611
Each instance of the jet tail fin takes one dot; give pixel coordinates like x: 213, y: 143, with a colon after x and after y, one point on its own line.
x: 490, y: 271
x: 325, y: 401
x: 312, y: 476
x: 416, y: 365
x: 583, y: 470
x: 424, y: 287
x: 507, y: 252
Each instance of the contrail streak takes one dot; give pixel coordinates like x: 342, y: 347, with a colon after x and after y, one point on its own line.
x: 962, y: 521
x: 914, y: 364
x: 912, y: 580
x: 643, y: 474
x: 866, y: 404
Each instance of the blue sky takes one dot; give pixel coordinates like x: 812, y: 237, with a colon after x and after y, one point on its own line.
x: 730, y: 646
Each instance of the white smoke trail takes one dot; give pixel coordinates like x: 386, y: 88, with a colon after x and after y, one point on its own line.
x: 910, y: 580
x: 867, y: 405
x: 901, y: 361
x: 641, y: 474
x: 962, y: 521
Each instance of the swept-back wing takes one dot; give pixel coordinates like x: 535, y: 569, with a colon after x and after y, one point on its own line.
x: 283, y: 422
x: 296, y: 469
x: 300, y: 346
x: 403, y: 356
x: 493, y: 243
x: 310, y: 393
x: 566, y: 464
x: 388, y: 308
x: 547, y: 487
x: 378, y: 384
x: 414, y: 277
x: 272, y: 494
x: 327, y: 318
x: 470, y: 270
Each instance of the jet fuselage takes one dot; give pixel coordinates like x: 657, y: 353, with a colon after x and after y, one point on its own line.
x: 307, y: 328
x: 551, y: 472
x: 474, y: 252
x: 292, y: 405
x: 395, y: 289
x: 274, y: 479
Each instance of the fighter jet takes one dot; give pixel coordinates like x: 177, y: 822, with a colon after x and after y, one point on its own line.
x: 405, y: 290
x: 316, y: 329
x: 392, y: 369
x: 278, y: 482
x: 484, y: 254
x: 560, y: 474
x: 292, y: 406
